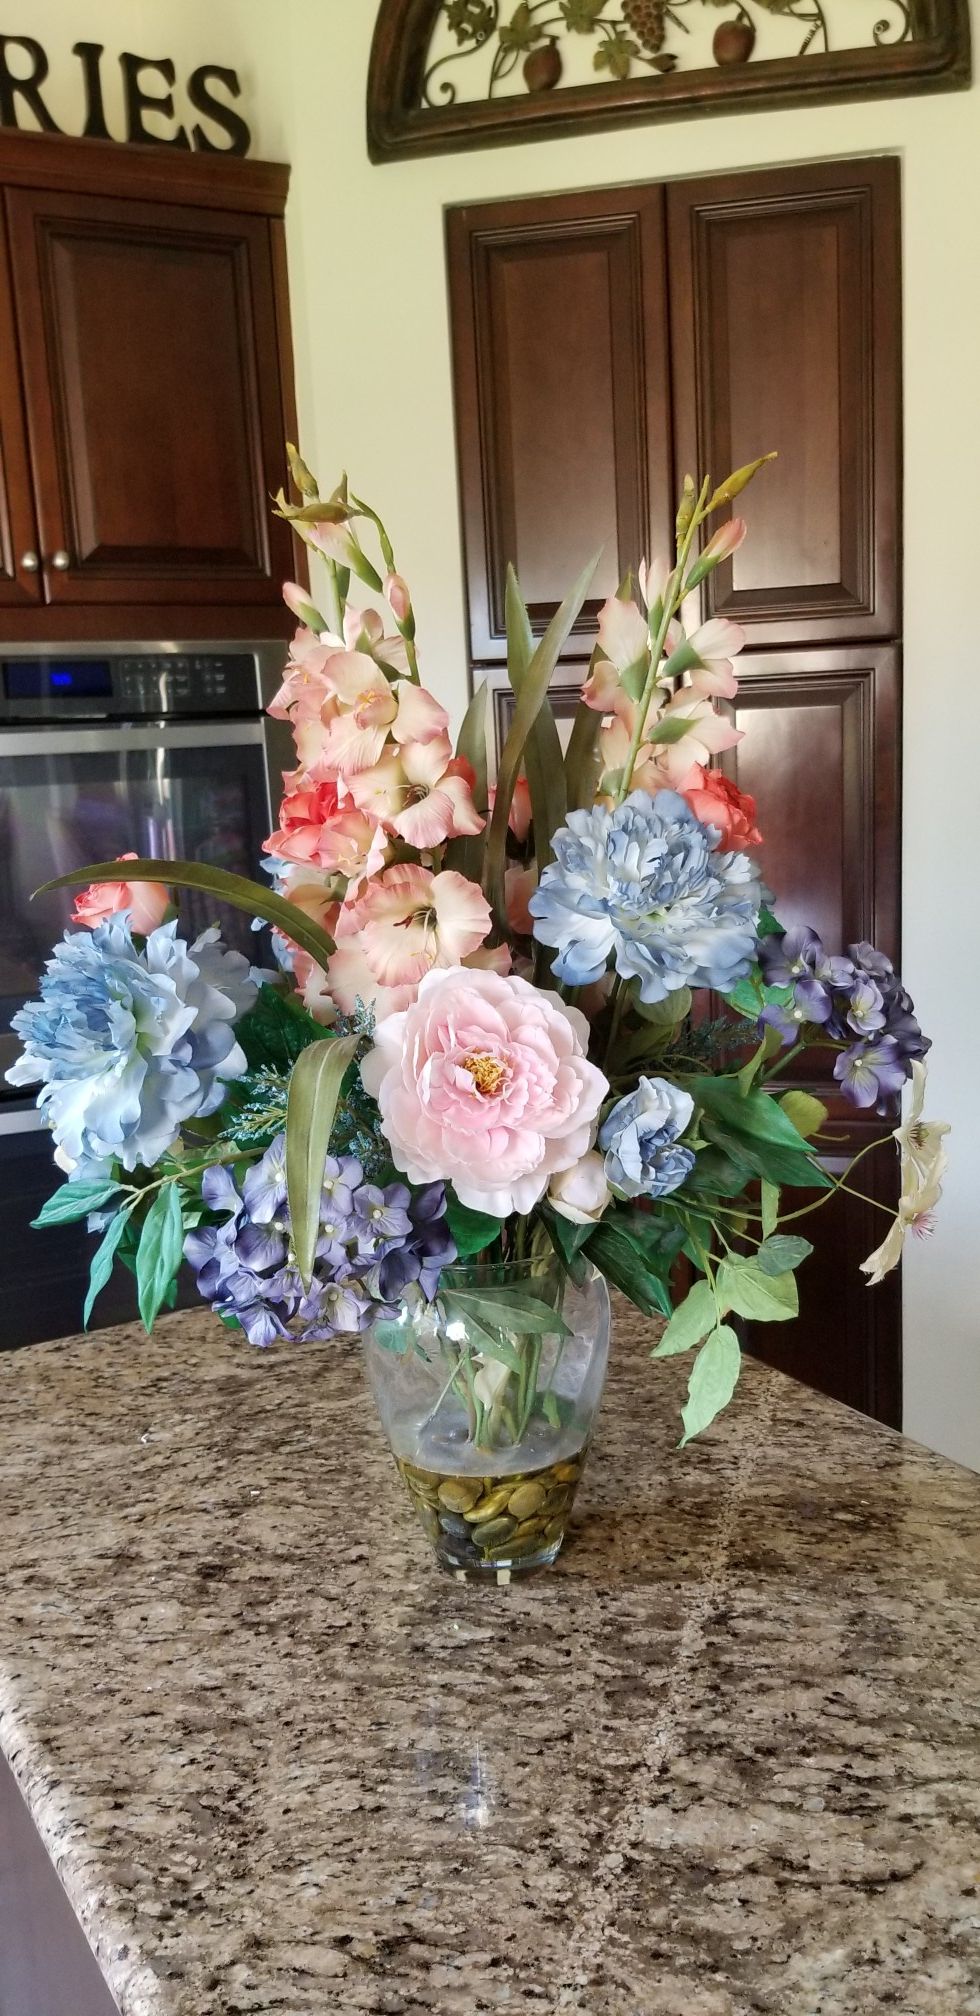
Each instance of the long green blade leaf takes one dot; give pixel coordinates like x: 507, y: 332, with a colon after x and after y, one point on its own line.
x: 543, y: 762
x: 237, y: 890
x: 314, y: 1089
x: 160, y: 1251
x: 532, y: 695
x: 102, y: 1260
x: 465, y: 854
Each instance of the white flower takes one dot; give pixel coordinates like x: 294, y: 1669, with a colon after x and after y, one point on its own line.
x: 924, y: 1162
x: 582, y: 1192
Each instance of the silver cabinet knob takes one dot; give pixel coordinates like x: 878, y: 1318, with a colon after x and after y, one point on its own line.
x: 29, y: 563
x: 61, y: 560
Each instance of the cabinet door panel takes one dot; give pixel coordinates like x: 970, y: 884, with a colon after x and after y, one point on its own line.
x: 153, y: 394
x: 785, y: 334
x: 19, y: 585
x: 560, y: 365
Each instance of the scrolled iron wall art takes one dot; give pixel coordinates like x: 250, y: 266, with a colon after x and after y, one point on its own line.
x: 449, y: 74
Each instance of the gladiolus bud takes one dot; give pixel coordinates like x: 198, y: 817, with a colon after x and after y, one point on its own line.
x: 305, y: 483
x: 297, y: 599
x: 737, y: 481
x: 397, y: 597
x: 685, y: 509
x: 720, y: 546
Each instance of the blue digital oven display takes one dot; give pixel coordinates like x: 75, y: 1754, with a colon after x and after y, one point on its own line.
x: 54, y: 678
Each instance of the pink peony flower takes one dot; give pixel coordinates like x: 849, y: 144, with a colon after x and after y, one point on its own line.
x: 147, y: 902
x: 485, y: 1083
x: 409, y: 920
x: 716, y: 801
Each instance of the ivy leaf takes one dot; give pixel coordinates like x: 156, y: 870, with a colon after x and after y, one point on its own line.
x: 695, y: 1317
x: 160, y: 1252
x: 779, y: 1255
x: 771, y: 1042
x: 521, y: 31
x: 754, y: 1114
x: 73, y: 1201
x: 276, y: 1031
x: 769, y: 1207
x: 792, y: 1166
x: 714, y: 1377
x: 760, y: 1297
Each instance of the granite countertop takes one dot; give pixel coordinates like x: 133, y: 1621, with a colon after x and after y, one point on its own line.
x: 723, y: 1759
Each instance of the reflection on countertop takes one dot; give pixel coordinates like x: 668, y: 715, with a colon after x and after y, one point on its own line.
x: 722, y: 1760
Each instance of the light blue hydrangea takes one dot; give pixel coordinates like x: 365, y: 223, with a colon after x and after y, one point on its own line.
x: 127, y: 1045
x: 640, y: 1139
x: 645, y: 883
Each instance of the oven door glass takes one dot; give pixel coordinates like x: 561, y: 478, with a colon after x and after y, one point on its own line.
x: 72, y: 796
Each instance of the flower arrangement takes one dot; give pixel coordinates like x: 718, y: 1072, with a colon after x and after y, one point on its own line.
x: 542, y: 1024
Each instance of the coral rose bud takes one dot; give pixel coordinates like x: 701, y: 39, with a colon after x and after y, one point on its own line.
x: 147, y: 902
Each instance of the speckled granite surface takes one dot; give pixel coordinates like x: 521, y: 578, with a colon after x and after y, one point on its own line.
x: 723, y: 1759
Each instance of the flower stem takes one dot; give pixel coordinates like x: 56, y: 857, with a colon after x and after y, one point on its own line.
x: 673, y: 597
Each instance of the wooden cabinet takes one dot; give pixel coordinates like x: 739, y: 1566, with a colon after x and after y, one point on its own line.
x: 20, y: 575
x: 604, y: 345
x: 145, y: 362
x: 561, y: 369
x: 785, y: 333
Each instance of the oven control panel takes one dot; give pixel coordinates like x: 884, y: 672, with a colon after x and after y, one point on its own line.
x: 127, y: 685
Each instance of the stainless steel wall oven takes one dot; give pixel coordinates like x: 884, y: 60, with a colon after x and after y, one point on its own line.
x: 159, y: 749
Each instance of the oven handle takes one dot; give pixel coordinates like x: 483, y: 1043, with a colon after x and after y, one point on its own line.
x: 115, y: 741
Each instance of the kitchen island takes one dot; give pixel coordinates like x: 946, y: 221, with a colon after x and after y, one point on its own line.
x: 723, y: 1759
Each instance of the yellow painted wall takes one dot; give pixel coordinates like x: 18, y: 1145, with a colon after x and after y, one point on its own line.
x: 369, y: 300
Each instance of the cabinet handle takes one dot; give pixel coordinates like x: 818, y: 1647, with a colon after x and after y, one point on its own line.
x: 61, y: 560
x: 29, y: 563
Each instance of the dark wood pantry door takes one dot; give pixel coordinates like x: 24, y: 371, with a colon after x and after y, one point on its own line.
x: 154, y: 399
x: 603, y: 345
x: 20, y: 572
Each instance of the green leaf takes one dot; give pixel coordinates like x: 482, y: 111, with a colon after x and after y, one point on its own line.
x: 276, y: 1031
x: 532, y: 695
x: 717, y: 1174
x: 670, y: 729
x: 804, y: 1112
x: 160, y: 1252
x: 667, y: 1013
x: 516, y: 1312
x: 566, y: 1236
x: 762, y: 1298
x: 74, y: 1200
x: 543, y: 761
x: 692, y: 1320
x: 314, y: 1090
x: 392, y: 1336
x: 102, y: 1260
x: 465, y: 854
x: 769, y: 925
x: 485, y: 1337
x: 770, y: 1208
x: 473, y: 1231
x: 765, y: 1159
x: 254, y: 897
x: 582, y: 757
x: 714, y: 1377
x: 755, y: 1114
x: 781, y: 1253
x: 771, y: 1042
x: 617, y: 1254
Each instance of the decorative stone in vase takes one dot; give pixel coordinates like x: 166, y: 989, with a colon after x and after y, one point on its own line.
x: 489, y: 1399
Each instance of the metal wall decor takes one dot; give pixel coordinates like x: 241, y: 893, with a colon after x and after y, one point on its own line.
x: 448, y: 74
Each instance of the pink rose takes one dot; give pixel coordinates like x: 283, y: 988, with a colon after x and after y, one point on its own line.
x: 485, y: 1083
x: 716, y: 801
x: 147, y: 902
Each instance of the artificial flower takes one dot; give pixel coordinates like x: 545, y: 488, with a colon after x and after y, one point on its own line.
x: 128, y: 1044
x: 485, y: 1083
x: 716, y: 801
x: 146, y: 902
x: 582, y: 1192
x: 923, y: 1164
x: 409, y: 920
x: 645, y: 886
x: 323, y: 827
x: 421, y: 792
x: 640, y: 1136
x: 519, y: 814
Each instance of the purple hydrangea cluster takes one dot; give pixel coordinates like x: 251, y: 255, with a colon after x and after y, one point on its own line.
x: 858, y: 1001
x: 374, y: 1243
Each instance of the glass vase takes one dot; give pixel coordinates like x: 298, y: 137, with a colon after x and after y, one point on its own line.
x: 488, y: 1398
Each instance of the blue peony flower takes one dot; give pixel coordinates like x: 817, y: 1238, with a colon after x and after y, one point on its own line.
x: 639, y: 1138
x: 645, y: 883
x: 127, y: 1045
